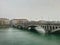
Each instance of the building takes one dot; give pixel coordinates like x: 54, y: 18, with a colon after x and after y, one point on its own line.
x: 16, y: 22
x: 4, y: 22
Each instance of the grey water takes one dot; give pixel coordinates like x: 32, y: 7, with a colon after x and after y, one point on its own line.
x: 12, y: 36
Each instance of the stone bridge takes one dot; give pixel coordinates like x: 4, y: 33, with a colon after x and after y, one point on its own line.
x: 48, y: 27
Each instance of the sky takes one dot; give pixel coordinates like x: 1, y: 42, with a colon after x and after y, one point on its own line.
x: 30, y: 9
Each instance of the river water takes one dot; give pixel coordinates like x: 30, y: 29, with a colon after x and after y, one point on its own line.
x: 12, y: 36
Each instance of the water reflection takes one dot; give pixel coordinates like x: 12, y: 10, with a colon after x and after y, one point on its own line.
x: 13, y: 36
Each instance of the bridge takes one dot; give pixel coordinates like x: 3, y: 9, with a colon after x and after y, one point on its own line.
x: 47, y: 27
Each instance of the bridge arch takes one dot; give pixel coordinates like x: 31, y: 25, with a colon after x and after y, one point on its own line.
x: 37, y: 28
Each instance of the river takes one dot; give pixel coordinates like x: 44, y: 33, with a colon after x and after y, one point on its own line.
x: 12, y: 36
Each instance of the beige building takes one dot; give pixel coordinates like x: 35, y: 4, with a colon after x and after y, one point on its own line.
x: 4, y: 22
x: 18, y: 21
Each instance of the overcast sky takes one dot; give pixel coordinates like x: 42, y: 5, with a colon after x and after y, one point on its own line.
x: 30, y: 9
